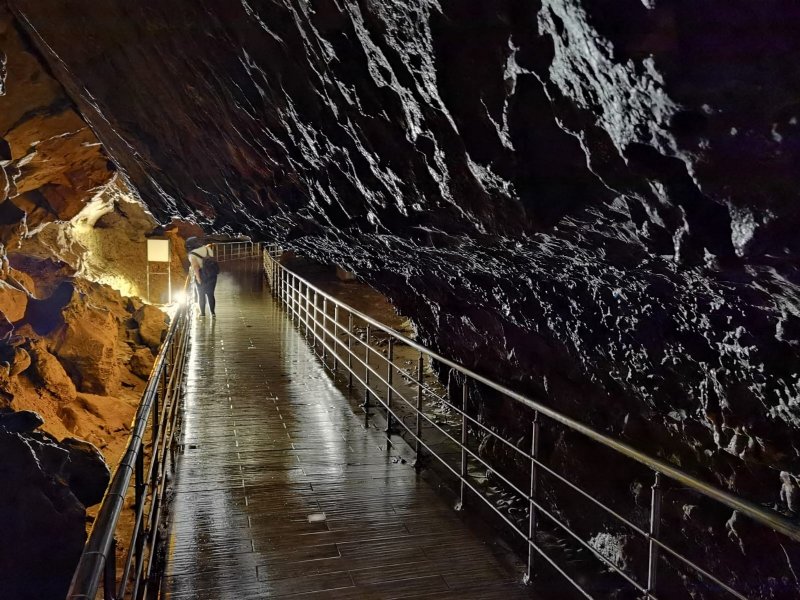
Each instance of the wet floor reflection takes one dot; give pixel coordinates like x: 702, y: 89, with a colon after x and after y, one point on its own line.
x: 281, y: 491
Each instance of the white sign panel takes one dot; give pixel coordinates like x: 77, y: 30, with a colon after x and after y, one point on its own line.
x: 158, y: 251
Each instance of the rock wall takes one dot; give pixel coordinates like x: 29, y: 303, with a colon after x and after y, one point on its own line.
x: 71, y: 375
x: 37, y: 508
x: 69, y: 222
x: 594, y: 201
x: 63, y: 199
x: 74, y: 353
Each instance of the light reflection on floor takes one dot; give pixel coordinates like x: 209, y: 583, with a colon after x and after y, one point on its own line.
x: 281, y: 491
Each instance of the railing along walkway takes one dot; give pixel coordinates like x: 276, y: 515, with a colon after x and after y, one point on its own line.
x: 281, y: 491
x: 662, y: 551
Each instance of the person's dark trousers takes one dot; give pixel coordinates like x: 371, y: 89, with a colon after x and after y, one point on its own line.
x: 206, y: 291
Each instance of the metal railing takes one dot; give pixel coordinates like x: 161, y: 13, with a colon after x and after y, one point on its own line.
x: 140, y: 477
x: 400, y: 393
x: 227, y: 251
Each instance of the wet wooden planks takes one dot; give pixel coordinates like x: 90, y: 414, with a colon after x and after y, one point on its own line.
x: 281, y: 492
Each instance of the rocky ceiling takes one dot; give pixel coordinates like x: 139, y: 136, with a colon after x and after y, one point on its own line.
x: 595, y: 201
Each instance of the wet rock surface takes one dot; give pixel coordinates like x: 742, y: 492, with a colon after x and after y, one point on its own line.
x: 86, y: 472
x: 65, y: 209
x: 594, y: 202
x: 42, y: 517
x: 23, y: 421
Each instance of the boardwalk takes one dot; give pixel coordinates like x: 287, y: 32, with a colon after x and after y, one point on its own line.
x: 282, y: 492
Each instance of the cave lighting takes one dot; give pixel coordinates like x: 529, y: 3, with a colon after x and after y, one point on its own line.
x: 179, y: 297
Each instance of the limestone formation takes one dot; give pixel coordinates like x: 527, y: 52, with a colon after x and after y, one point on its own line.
x: 141, y: 362
x: 86, y: 346
x: 22, y: 281
x: 54, y: 160
x: 13, y: 302
x: 92, y: 417
x: 152, y: 325
x: 517, y: 196
x: 51, y: 373
x: 20, y: 362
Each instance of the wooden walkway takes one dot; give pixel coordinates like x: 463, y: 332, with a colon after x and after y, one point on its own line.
x: 281, y: 491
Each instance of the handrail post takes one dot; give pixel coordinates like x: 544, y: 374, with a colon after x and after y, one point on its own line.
x: 286, y: 278
x: 350, y: 350
x: 110, y: 572
x: 655, y: 526
x: 298, y: 301
x: 302, y: 307
x: 366, y: 377
x: 287, y: 290
x: 324, y: 328
x: 335, y: 335
x: 314, y: 322
x: 418, y: 449
x: 164, y: 385
x: 140, y: 494
x: 138, y: 482
x: 290, y: 291
x: 464, y: 439
x: 532, y: 505
x: 389, y: 378
x: 306, y: 307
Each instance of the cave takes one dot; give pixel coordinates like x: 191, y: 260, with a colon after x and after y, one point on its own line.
x: 592, y: 203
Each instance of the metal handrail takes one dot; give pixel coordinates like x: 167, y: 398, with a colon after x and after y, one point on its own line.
x: 159, y: 408
x: 296, y: 293
x: 765, y: 516
x: 228, y: 251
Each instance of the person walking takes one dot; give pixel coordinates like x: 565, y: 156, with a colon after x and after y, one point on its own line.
x: 204, y: 270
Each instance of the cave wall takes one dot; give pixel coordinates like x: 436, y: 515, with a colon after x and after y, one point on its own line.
x: 70, y: 224
x: 62, y: 199
x: 594, y: 201
x: 74, y: 353
x: 564, y: 176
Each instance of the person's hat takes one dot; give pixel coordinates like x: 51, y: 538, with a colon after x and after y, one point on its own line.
x: 193, y: 243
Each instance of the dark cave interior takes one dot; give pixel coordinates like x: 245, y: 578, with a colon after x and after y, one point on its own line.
x: 592, y: 202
